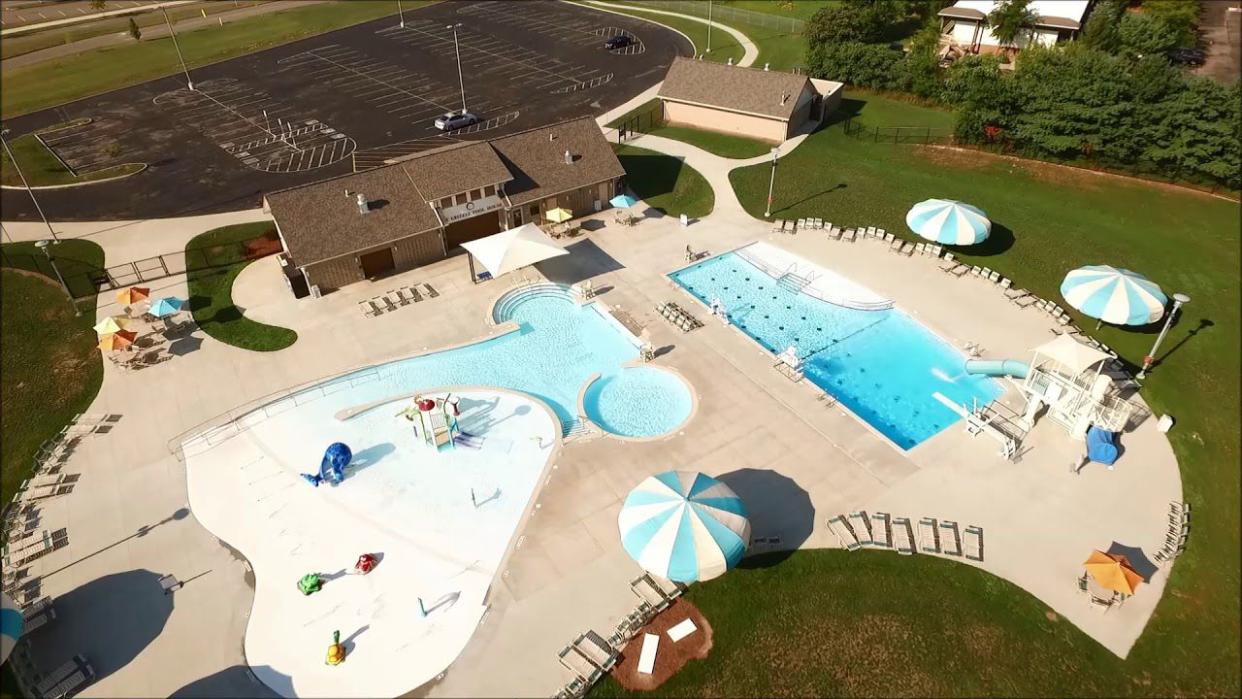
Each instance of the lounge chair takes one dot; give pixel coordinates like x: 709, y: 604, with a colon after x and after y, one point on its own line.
x: 950, y: 538
x: 896, y: 245
x: 850, y: 235
x: 63, y: 672
x: 404, y: 298
x: 778, y: 226
x: 889, y: 237
x: 937, y: 249
x: 903, y: 536
x: 994, y: 277
x: 908, y: 250
x: 972, y: 543
x: 929, y: 535
x: 835, y: 232
x: 920, y: 248
x: 801, y: 226
x: 882, y: 526
x: 595, y: 649
x: 368, y: 309
x: 1025, y: 301
x: 395, y: 298
x: 948, y: 263
x: 844, y: 533
x: 861, y: 523
x: 431, y: 290
x: 376, y: 306
x: 579, y: 665
x: 649, y: 593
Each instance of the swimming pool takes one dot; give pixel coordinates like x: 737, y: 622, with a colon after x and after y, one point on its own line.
x: 881, y: 364
x: 558, y: 347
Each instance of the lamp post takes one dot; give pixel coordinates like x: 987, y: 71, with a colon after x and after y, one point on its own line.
x: 188, y: 83
x: 12, y: 159
x: 400, y: 14
x: 709, y: 26
x: 460, y: 81
x: 771, y: 183
x: 43, y: 245
x: 1179, y: 300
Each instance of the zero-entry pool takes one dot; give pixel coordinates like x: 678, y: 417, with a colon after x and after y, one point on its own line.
x: 881, y: 364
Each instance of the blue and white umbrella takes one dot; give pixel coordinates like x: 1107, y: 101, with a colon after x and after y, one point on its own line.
x: 623, y: 201
x: 169, y: 305
x: 684, y: 526
x: 11, y: 622
x: 948, y: 222
x: 1114, y: 295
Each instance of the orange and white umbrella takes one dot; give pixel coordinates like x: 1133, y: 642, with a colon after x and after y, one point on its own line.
x: 1113, y: 572
x: 121, y: 339
x: 132, y: 295
x: 112, y: 324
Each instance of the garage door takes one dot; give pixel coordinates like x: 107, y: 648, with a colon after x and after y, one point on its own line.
x: 471, y: 229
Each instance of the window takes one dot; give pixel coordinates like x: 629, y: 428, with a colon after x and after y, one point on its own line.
x: 476, y: 194
x: 489, y: 190
x: 534, y: 209
x: 446, y: 202
x: 460, y: 199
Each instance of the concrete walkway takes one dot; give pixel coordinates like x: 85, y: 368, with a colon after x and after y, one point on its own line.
x: 749, y: 52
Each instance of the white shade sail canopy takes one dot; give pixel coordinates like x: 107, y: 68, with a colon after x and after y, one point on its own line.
x: 513, y: 249
x: 1071, y: 354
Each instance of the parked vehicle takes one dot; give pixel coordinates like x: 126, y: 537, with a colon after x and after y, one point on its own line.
x: 1187, y: 57
x: 619, y: 41
x: 455, y: 120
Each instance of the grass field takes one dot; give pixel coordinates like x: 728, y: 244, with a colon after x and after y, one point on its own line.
x: 798, y: 9
x: 665, y: 183
x: 724, y: 46
x: 51, y: 369
x: 724, y: 145
x: 211, y: 300
x: 1046, y: 221
x: 56, y: 82
x: 41, y: 168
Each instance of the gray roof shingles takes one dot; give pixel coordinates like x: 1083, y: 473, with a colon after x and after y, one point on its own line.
x: 752, y: 90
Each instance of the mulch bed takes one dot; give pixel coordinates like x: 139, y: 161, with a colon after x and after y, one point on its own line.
x: 671, y: 656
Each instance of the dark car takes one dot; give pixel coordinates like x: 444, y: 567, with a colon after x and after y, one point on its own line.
x: 456, y: 120
x: 619, y: 41
x: 1187, y: 57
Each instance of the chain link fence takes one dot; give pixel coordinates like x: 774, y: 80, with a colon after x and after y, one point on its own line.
x: 729, y: 15
x: 898, y: 134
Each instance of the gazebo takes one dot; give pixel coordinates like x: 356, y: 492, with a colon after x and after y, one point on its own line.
x: 511, y: 250
x: 1069, y: 378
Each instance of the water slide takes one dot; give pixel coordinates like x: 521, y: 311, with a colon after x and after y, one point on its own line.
x: 998, y: 367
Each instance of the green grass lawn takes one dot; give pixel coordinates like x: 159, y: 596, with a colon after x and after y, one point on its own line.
x: 211, y: 300
x: 42, y: 168
x: 51, y: 369
x: 724, y: 145
x: 665, y: 183
x: 77, y: 260
x: 59, y: 81
x: 724, y: 46
x: 798, y: 9
x: 1046, y: 221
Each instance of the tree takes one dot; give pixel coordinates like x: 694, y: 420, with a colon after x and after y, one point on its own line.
x: 1182, y: 16
x: 1100, y: 31
x: 134, y: 31
x: 1009, y: 20
x: 856, y: 21
x: 1144, y: 34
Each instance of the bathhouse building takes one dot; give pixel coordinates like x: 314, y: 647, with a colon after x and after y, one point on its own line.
x: 767, y: 105
x: 420, y: 208
x: 964, y: 25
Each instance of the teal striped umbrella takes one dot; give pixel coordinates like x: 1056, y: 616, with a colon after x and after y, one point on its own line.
x: 684, y: 526
x: 169, y: 305
x: 1114, y: 295
x: 948, y: 222
x: 623, y: 201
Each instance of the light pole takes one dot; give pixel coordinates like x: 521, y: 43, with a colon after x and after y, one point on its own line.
x: 400, y: 14
x: 188, y: 83
x: 771, y: 183
x: 1179, y: 300
x: 709, y: 26
x: 43, y: 245
x: 460, y: 80
x: 3, y: 133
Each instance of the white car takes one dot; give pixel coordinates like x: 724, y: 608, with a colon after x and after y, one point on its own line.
x: 455, y: 120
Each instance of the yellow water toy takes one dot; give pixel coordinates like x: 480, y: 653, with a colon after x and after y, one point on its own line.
x: 336, y: 651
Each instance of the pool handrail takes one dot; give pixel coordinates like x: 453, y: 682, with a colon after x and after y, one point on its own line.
x: 771, y: 271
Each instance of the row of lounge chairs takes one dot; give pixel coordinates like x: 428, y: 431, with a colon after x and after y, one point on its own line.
x: 1179, y: 531
x: 881, y: 530
x: 396, y: 298
x: 678, y: 316
x: 590, y: 656
x: 66, y: 680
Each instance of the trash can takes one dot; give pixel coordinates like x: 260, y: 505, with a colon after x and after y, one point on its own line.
x: 1165, y: 423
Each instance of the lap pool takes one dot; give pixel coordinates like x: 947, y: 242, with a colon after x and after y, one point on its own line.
x: 881, y: 364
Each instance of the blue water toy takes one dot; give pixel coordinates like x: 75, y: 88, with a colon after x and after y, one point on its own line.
x: 1102, y: 446
x: 332, y: 469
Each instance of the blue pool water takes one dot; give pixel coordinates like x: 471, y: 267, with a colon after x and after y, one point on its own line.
x: 558, y: 348
x: 609, y: 402
x: 882, y: 365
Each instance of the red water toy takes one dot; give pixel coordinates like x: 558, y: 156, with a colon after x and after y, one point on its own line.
x: 366, y: 563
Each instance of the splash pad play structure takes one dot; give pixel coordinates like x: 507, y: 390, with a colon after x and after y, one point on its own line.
x: 433, y: 548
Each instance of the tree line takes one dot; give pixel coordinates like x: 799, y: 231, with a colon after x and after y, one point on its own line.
x: 1111, y: 96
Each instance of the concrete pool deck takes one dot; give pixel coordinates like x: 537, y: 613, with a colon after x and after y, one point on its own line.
x: 795, y: 459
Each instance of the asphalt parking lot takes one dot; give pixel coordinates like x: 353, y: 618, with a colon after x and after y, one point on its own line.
x: 348, y: 99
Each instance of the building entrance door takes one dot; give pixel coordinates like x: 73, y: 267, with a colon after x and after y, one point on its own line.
x: 377, y: 264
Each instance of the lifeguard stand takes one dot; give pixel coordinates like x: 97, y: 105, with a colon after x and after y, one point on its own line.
x: 1068, y: 377
x: 438, y: 425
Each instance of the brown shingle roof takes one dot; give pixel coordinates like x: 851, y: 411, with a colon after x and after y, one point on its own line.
x: 751, y: 90
x: 458, y: 168
x: 538, y: 162
x: 319, y: 222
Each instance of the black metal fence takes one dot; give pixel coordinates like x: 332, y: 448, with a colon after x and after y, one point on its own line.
x: 898, y: 134
x: 86, y: 280
x: 640, y: 123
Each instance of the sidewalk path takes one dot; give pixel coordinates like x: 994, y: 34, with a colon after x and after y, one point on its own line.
x: 749, y: 51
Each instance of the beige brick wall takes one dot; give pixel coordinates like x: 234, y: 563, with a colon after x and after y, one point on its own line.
x: 408, y: 253
x: 760, y: 128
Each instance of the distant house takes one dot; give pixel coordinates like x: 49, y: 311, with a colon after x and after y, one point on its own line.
x: 418, y: 210
x: 752, y: 102
x: 964, y: 25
